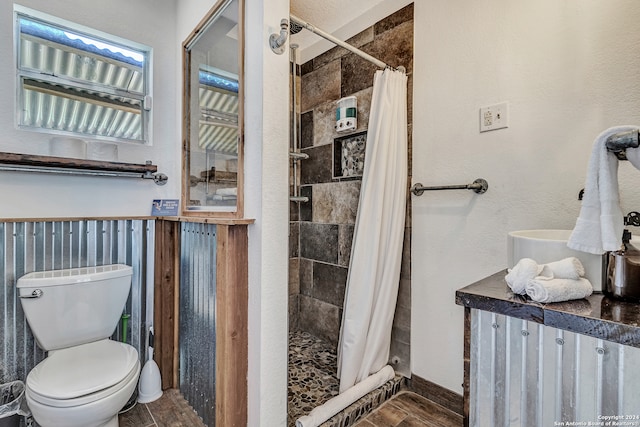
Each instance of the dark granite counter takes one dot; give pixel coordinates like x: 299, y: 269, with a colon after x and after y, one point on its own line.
x: 597, y: 316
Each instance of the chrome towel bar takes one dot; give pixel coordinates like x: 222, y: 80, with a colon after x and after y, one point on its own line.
x: 479, y: 186
x: 619, y: 142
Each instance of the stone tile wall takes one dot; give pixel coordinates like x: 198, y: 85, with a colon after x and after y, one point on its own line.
x: 321, y: 230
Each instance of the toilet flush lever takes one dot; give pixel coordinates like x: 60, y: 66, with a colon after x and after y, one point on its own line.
x: 35, y: 294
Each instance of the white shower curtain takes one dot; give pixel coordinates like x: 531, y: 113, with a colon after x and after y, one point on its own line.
x: 376, y: 254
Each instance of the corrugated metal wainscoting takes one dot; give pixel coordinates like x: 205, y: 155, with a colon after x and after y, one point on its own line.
x: 526, y: 374
x: 198, y: 318
x: 54, y: 245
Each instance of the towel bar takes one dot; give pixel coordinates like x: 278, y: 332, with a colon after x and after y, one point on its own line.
x: 619, y: 142
x: 480, y: 186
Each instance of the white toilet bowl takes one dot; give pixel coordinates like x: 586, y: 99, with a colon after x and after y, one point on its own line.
x: 83, y: 386
x: 86, y: 378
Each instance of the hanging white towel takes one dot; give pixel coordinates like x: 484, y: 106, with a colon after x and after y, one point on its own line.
x: 633, y: 155
x: 599, y: 225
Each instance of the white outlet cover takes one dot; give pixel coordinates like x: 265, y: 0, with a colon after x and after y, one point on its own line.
x: 494, y: 117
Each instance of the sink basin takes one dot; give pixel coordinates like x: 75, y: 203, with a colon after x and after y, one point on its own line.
x: 545, y: 246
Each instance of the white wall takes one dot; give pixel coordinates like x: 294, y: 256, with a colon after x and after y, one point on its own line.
x: 27, y: 195
x: 569, y: 70
x: 266, y: 200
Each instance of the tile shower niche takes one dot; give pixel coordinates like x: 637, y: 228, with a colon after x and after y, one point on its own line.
x: 348, y: 155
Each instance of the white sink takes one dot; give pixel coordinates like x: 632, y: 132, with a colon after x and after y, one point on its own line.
x: 545, y: 246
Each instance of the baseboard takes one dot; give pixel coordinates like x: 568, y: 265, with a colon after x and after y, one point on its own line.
x: 436, y: 393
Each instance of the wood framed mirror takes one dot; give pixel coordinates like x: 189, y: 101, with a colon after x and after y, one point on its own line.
x: 213, y: 93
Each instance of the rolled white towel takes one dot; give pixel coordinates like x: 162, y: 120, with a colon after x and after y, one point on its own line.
x: 568, y: 268
x: 322, y: 413
x: 542, y: 289
x: 525, y: 270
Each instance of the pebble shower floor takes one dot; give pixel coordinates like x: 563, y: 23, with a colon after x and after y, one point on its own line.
x: 313, y: 381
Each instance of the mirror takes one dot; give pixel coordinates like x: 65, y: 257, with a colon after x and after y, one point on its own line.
x: 212, y: 114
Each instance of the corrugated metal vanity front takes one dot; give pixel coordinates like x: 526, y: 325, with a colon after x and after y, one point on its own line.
x: 561, y: 364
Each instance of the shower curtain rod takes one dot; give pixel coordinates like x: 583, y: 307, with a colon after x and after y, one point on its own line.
x: 341, y: 43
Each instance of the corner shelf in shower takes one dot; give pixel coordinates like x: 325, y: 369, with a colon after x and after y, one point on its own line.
x: 62, y: 165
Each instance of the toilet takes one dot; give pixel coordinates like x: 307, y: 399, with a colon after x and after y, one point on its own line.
x: 86, y: 378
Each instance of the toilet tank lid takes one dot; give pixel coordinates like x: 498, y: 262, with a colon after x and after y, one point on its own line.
x: 73, y: 275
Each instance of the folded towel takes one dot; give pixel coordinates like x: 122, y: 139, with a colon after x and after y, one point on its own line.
x: 568, y: 268
x: 541, y: 289
x: 525, y: 270
x: 599, y: 225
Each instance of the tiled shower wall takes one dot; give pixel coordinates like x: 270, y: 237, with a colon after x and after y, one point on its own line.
x: 321, y: 230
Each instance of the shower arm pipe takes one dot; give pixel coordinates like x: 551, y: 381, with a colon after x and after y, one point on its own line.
x: 339, y: 42
x: 480, y: 186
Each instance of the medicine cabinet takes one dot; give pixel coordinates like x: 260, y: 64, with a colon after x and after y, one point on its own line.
x: 213, y: 114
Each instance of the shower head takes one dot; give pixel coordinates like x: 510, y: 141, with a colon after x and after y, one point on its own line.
x: 294, y: 27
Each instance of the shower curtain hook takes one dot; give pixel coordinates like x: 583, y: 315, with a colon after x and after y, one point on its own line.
x: 277, y: 41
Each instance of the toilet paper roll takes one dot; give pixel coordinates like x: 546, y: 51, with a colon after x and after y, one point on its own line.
x: 104, y: 151
x: 67, y: 147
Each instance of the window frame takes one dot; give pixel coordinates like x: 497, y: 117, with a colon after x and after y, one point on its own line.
x: 85, y: 91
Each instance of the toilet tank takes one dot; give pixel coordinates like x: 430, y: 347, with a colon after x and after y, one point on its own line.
x: 74, y: 306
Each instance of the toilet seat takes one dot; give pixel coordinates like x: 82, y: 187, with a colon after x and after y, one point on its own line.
x: 83, y: 374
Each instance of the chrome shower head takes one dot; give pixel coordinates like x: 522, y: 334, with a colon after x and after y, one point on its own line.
x: 294, y: 27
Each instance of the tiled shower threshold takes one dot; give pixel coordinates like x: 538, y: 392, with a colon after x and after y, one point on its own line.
x: 313, y: 381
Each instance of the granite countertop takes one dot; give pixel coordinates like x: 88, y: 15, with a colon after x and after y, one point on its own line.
x: 597, y: 316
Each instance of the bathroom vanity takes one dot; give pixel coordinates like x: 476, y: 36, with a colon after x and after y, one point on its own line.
x: 532, y: 364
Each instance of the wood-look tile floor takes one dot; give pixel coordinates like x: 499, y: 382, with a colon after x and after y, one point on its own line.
x: 171, y: 410
x: 407, y: 409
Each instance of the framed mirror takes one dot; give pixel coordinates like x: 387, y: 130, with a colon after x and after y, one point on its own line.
x: 212, y: 142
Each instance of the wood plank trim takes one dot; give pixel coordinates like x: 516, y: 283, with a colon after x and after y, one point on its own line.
x: 167, y: 258
x: 67, y: 163
x: 231, y: 326
x: 211, y: 220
